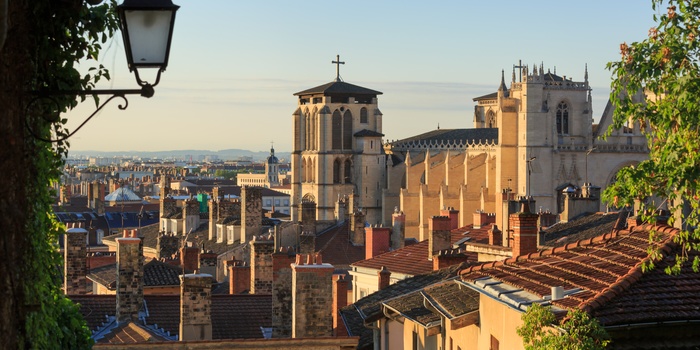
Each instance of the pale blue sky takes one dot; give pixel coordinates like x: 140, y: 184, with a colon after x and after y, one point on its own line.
x: 234, y: 65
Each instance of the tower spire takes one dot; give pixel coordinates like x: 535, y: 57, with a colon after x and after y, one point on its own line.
x: 585, y: 75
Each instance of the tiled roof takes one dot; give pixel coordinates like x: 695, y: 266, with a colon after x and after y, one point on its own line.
x: 129, y: 333
x: 584, y: 227
x: 483, y: 135
x: 369, y: 307
x: 592, y: 272
x: 490, y: 96
x: 411, y: 306
x: 233, y: 316
x: 368, y: 133
x: 338, y: 87
x: 336, y: 248
x: 413, y: 259
x: 155, y: 274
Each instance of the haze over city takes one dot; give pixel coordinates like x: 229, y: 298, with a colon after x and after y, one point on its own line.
x: 234, y: 66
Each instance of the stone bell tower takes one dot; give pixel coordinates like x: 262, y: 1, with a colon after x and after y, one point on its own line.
x: 337, y: 148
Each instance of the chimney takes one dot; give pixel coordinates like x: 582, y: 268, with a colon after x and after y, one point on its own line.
x: 340, y: 300
x: 340, y: 210
x: 166, y: 245
x: 383, y: 278
x: 307, y: 242
x: 495, y: 236
x: 129, y: 277
x: 398, y: 229
x: 282, y: 292
x: 261, y: 249
x: 190, y: 215
x: 312, y: 297
x: 524, y: 226
x: 195, y: 307
x: 377, y: 241
x: 75, y: 261
x: 251, y: 212
x: 447, y: 258
x: 189, y: 257
x: 238, y: 276
x: 213, y: 215
x: 439, y: 237
x: 357, y: 228
x: 453, y: 214
x: 308, y: 216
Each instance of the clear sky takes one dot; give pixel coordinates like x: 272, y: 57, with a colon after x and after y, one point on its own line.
x: 234, y: 65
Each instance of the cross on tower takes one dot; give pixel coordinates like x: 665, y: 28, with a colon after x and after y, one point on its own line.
x: 337, y: 63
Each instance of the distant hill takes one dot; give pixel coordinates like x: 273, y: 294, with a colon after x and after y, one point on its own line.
x: 226, y: 154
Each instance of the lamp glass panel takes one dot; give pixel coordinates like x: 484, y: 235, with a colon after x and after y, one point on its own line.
x: 148, y: 33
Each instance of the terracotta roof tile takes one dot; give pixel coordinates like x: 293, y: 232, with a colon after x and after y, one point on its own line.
x: 129, y: 333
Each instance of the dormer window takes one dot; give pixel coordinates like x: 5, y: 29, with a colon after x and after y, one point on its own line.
x: 563, y: 119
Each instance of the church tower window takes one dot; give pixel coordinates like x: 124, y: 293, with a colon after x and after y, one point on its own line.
x: 563, y: 119
x: 348, y: 171
x: 303, y: 170
x: 491, y: 120
x: 307, y: 145
x: 347, y: 130
x: 336, y: 132
x: 336, y: 171
x: 363, y: 115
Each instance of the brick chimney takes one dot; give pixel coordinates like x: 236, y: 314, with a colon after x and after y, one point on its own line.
x: 495, y: 236
x: 129, y: 277
x: 251, y: 212
x: 377, y: 241
x: 75, y: 261
x: 398, y: 229
x: 383, y: 278
x: 189, y: 257
x: 312, y: 297
x: 340, y: 210
x: 238, y: 276
x: 447, y: 258
x: 482, y: 218
x: 357, y: 228
x: 308, y: 216
x: 213, y: 215
x: 453, y: 214
x: 195, y: 307
x: 340, y: 300
x: 282, y: 292
x: 261, y: 249
x: 439, y: 237
x: 166, y: 245
x: 524, y: 226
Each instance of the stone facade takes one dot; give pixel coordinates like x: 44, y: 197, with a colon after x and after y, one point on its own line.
x: 251, y: 212
x: 195, y: 307
x: 75, y: 261
x: 312, y: 297
x: 261, y: 249
x: 129, y: 277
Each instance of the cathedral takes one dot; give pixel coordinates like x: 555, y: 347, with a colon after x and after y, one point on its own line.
x: 533, y: 137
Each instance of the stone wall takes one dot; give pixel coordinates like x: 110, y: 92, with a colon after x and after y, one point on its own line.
x: 75, y: 261
x: 261, y: 248
x: 251, y: 212
x: 129, y: 277
x: 195, y: 307
x: 312, y: 297
x: 282, y: 292
x: 167, y: 245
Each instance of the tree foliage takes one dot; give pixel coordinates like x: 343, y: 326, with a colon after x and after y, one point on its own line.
x: 579, y: 331
x: 656, y: 84
x: 64, y: 33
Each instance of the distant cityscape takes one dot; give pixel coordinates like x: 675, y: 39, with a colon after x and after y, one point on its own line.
x: 184, y: 157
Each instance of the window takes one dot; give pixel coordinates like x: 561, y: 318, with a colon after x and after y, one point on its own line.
x: 286, y: 202
x: 277, y: 202
x: 363, y: 115
x: 336, y: 171
x: 337, y: 132
x: 268, y: 202
x: 491, y: 120
x: 348, y: 171
x: 563, y: 119
x: 347, y: 130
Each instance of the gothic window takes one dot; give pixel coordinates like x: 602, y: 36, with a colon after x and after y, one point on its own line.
x: 297, y: 133
x: 312, y: 170
x: 363, y: 115
x: 491, y: 120
x: 348, y: 171
x: 563, y: 118
x: 336, y: 171
x: 347, y: 130
x: 313, y: 131
x: 336, y: 133
x: 308, y: 132
x: 303, y: 170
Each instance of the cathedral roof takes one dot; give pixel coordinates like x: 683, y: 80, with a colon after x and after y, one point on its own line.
x: 368, y: 133
x: 338, y: 87
x: 483, y: 135
x: 490, y: 96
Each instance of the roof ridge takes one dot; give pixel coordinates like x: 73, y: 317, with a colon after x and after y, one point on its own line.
x: 633, y: 275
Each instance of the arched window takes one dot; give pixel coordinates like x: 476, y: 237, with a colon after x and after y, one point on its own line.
x: 303, y: 170
x: 363, y: 116
x: 563, y: 118
x: 297, y: 132
x: 308, y: 132
x: 347, y: 130
x: 336, y: 171
x: 491, y: 120
x: 348, y: 171
x: 337, y: 130
x: 312, y: 170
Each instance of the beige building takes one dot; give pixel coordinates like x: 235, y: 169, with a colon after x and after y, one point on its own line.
x: 338, y: 150
x: 271, y: 177
x: 535, y: 138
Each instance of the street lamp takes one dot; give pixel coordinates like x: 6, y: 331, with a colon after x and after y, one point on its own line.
x: 147, y: 29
